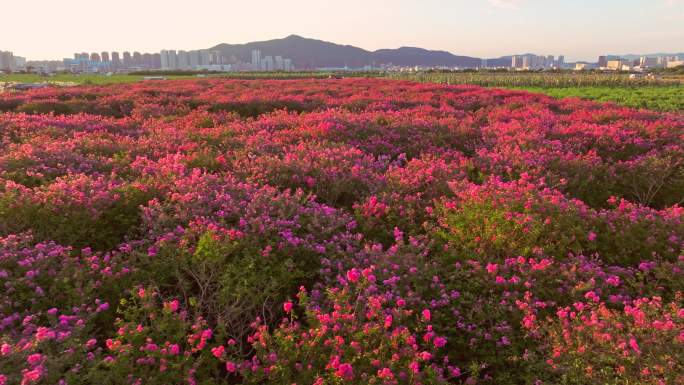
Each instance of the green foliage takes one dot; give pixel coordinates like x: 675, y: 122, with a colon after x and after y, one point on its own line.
x: 491, y: 230
x: 157, y: 344
x: 231, y: 282
x: 658, y: 94
x: 75, y: 224
x: 654, y: 98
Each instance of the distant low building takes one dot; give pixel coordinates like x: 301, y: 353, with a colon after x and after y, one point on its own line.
x: 649, y: 62
x: 19, y: 63
x: 603, y: 61
x: 581, y: 66
x: 619, y: 65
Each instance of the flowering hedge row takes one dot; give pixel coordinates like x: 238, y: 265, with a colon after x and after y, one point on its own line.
x: 337, y: 231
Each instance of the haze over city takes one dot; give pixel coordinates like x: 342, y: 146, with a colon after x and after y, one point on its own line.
x: 581, y: 30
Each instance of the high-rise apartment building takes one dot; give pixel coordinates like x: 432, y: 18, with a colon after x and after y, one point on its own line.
x: 156, y: 61
x: 268, y: 63
x: 136, y: 59
x: 6, y: 61
x: 526, y: 62
x: 256, y: 60
x: 648, y: 62
x: 146, y: 61
x: 517, y: 62
x: 127, y: 62
x: 603, y: 61
x: 116, y: 61
x: 169, y: 60
x: 183, y: 60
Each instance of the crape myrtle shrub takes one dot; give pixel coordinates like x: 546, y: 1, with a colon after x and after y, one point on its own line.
x: 337, y: 231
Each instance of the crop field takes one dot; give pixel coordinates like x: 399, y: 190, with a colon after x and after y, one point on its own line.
x: 68, y: 78
x: 654, y: 98
x: 100, y: 79
x: 509, y: 79
x: 665, y: 94
x: 337, y: 231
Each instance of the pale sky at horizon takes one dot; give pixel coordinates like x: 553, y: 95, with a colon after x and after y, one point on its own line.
x: 579, y: 29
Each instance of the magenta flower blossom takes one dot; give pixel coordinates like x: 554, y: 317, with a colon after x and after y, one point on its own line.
x: 345, y: 371
x: 210, y: 201
x: 353, y: 275
x: 34, y: 359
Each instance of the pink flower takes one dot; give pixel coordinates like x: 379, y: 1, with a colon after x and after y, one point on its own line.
x: 591, y: 236
x: 287, y: 306
x: 385, y: 373
x: 218, y: 351
x: 5, y: 349
x: 91, y: 343
x: 427, y: 316
x: 492, y: 268
x: 439, y: 342
x: 388, y: 321
x: 613, y: 281
x: 634, y: 345
x: 32, y: 376
x: 414, y: 366
x: 455, y: 371
x: 173, y: 305
x: 34, y: 359
x: 591, y: 295
x: 174, y: 349
x: 3, y: 379
x: 44, y: 333
x: 345, y: 371
x: 353, y: 275
x: 231, y: 367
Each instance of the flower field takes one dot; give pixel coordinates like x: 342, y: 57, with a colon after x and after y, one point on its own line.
x: 337, y: 231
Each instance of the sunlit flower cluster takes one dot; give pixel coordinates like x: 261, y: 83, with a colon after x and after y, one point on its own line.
x: 333, y: 231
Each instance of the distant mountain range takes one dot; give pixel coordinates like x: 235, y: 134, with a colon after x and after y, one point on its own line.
x: 312, y: 53
x: 634, y: 57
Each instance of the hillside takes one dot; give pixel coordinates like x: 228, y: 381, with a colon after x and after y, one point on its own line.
x: 312, y: 53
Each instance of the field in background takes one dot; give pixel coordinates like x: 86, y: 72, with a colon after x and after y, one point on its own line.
x: 663, y: 94
x: 538, y: 79
x: 129, y: 78
x: 67, y: 78
x: 669, y: 98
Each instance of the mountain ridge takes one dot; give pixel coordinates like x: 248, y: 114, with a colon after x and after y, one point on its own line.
x: 314, y: 53
x: 308, y: 53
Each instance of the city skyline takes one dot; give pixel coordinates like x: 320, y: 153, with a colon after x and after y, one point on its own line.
x: 581, y: 29
x: 217, y: 60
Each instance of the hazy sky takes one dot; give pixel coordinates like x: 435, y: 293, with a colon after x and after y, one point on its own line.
x: 580, y: 29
